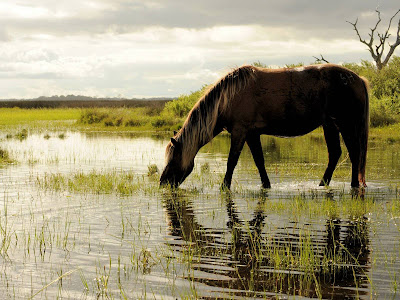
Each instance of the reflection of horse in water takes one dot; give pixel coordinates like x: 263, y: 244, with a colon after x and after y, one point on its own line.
x: 252, y: 101
x: 245, y: 266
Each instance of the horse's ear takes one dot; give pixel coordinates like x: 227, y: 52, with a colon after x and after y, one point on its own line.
x: 175, y: 132
x: 174, y: 142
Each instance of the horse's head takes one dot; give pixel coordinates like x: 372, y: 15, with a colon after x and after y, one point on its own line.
x: 175, y: 171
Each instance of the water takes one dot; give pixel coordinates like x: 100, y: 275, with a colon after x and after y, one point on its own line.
x: 296, y: 239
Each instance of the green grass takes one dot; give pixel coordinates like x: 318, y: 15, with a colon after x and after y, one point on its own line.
x: 122, y: 183
x: 389, y: 133
x: 18, y: 116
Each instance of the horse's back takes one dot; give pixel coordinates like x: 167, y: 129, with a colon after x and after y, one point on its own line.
x: 295, y: 101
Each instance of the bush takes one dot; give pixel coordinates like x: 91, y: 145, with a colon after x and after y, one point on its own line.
x: 180, y: 107
x: 116, y: 117
x: 387, y: 81
x: 92, y: 116
x: 385, y: 90
x: 382, y: 112
x: 134, y: 123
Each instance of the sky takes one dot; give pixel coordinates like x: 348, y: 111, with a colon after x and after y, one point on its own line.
x: 157, y: 48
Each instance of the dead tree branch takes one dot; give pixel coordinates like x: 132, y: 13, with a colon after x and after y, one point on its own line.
x: 377, y: 50
x: 320, y: 60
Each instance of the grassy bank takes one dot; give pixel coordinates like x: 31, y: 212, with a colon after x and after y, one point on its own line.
x: 122, y: 119
x: 19, y: 117
x: 170, y: 115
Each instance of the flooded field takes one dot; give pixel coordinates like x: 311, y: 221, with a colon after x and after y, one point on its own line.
x: 82, y: 216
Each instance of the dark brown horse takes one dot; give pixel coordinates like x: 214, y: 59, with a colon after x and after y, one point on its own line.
x: 251, y: 101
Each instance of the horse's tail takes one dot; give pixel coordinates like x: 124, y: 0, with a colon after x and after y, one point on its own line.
x: 364, y: 128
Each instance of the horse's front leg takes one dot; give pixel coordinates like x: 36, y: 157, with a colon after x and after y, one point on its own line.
x: 254, y: 142
x: 332, y: 139
x: 238, y: 137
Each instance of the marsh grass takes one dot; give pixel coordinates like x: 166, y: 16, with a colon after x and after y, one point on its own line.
x: 296, y: 263
x: 313, y: 206
x: 153, y: 171
x: 260, y: 262
x: 293, y: 260
x: 122, y: 183
x: 22, y: 135
x: 5, y: 157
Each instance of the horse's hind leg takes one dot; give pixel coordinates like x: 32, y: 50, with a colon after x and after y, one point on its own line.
x: 256, y: 150
x: 238, y: 138
x: 332, y: 139
x: 352, y: 144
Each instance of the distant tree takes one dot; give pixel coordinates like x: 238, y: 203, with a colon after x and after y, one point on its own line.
x: 377, y: 49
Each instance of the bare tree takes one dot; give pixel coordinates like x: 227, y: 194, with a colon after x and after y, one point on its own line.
x: 377, y: 50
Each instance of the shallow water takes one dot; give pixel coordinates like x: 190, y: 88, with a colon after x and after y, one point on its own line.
x: 196, y: 242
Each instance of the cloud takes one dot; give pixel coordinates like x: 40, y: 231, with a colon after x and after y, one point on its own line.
x: 98, y: 17
x: 153, y: 48
x: 153, y: 62
x: 4, y: 37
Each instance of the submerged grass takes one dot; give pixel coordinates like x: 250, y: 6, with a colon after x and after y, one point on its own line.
x: 245, y: 257
x: 260, y: 259
x: 308, y: 206
x: 302, y: 260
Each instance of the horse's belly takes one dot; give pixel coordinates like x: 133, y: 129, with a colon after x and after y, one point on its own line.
x: 288, y: 127
x: 288, y: 116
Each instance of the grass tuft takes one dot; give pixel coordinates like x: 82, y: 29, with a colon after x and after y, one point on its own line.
x: 121, y: 183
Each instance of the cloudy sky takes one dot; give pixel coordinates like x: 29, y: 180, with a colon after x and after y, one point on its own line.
x: 129, y: 48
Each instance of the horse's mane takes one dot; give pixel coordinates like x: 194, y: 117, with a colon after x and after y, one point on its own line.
x: 199, y: 126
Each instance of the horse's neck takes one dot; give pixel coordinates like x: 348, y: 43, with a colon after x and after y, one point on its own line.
x: 198, y: 131
x: 190, y: 145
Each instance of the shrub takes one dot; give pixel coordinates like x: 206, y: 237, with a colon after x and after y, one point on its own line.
x: 180, y: 107
x: 93, y: 115
x: 109, y: 122
x: 134, y: 123
x: 158, y: 122
x: 387, y: 81
x: 382, y: 112
x: 384, y: 92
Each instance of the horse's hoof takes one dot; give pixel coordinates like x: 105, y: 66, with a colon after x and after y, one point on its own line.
x: 323, y: 183
x: 224, y: 187
x: 266, y: 186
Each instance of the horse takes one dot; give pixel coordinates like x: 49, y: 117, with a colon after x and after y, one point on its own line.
x: 286, y: 102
